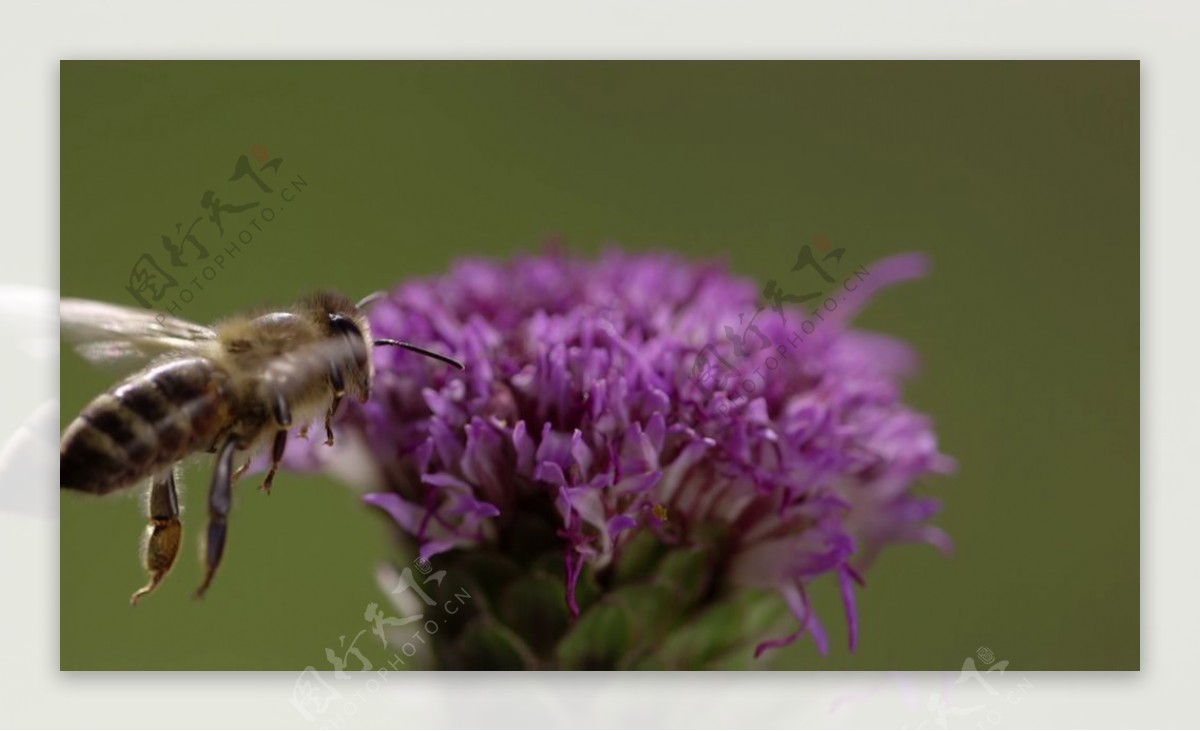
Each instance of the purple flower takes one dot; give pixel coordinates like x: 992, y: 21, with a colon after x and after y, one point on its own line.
x: 635, y: 395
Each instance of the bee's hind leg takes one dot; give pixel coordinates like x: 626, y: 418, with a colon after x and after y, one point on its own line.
x: 163, y: 534
x: 220, y: 499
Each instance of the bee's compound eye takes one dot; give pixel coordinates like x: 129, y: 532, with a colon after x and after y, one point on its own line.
x: 349, y: 328
x: 345, y: 325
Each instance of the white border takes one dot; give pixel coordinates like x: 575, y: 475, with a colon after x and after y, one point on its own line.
x: 1162, y: 35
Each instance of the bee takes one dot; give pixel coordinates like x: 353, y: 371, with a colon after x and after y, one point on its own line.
x: 233, y: 389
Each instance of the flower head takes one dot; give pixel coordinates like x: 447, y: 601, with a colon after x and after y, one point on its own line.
x: 633, y: 398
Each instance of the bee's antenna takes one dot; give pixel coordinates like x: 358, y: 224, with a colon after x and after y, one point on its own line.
x: 370, y: 299
x: 422, y: 351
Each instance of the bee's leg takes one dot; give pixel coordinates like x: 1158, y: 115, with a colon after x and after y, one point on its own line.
x: 281, y: 411
x: 283, y: 417
x: 220, y: 499
x: 339, y: 390
x: 237, y: 474
x: 276, y: 457
x: 337, y: 400
x: 163, y: 534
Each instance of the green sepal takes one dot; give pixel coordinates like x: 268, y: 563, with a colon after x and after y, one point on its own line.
x: 722, y: 635
x: 599, y: 639
x: 488, y: 645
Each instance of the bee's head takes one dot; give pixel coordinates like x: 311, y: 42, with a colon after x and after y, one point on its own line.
x: 348, y: 320
x: 345, y: 325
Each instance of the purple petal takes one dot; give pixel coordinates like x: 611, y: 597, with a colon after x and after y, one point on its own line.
x: 614, y: 390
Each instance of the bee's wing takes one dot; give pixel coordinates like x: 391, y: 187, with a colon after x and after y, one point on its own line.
x: 104, y: 333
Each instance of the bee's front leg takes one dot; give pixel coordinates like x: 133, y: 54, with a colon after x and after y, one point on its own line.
x: 164, y: 533
x: 339, y: 390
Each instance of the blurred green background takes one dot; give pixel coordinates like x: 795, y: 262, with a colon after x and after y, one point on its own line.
x: 1021, y: 180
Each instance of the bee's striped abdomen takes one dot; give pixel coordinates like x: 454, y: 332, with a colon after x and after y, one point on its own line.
x: 145, y: 424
